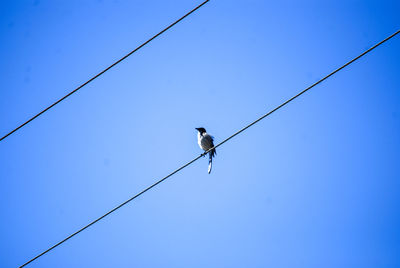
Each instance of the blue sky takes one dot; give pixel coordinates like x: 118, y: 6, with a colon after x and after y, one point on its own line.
x: 316, y: 184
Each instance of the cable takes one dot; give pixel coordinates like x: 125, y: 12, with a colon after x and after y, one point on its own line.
x: 111, y: 211
x: 219, y: 144
x: 305, y: 90
x: 102, y: 72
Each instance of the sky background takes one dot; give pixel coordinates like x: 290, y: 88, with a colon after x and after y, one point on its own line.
x: 316, y: 184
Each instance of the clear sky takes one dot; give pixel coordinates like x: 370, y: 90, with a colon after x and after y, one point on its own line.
x: 317, y: 184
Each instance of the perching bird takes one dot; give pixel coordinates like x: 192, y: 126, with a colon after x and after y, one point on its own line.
x: 205, y: 142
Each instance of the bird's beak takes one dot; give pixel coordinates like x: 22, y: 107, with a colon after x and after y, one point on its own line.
x: 197, y: 129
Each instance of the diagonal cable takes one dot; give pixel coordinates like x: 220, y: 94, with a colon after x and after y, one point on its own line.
x: 219, y: 144
x: 305, y: 90
x: 102, y: 72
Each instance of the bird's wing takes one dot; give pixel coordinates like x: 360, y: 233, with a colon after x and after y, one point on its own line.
x: 208, y: 141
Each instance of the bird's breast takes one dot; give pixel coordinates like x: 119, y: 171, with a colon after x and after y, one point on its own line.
x: 199, y: 140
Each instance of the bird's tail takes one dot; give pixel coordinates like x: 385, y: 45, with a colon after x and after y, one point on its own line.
x: 211, y: 154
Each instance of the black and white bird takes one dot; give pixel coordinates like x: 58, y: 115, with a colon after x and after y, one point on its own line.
x: 205, y: 142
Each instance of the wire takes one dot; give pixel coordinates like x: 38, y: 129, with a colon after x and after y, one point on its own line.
x: 102, y: 72
x: 305, y: 90
x: 219, y: 144
x: 111, y: 211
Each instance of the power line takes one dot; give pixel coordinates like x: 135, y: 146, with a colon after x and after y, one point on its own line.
x: 305, y: 90
x: 102, y: 72
x: 219, y: 144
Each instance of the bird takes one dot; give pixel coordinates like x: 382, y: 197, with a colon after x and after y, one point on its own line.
x: 205, y: 142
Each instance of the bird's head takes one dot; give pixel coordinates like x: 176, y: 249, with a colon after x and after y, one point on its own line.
x: 201, y: 130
